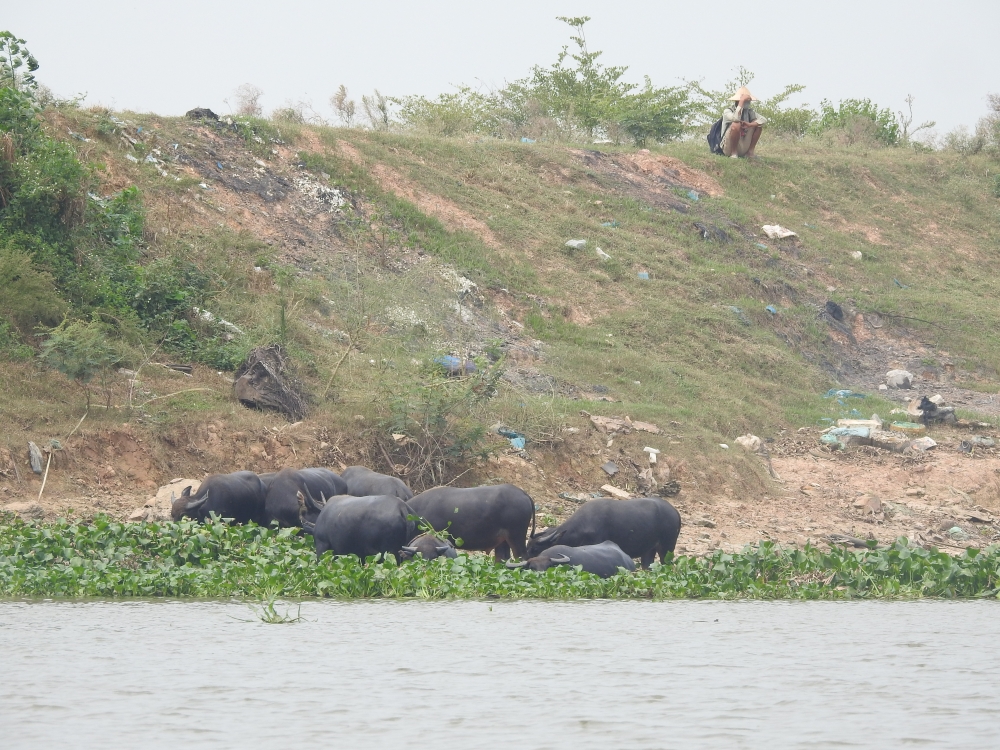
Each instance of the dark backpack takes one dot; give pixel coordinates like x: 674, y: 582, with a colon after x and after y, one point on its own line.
x: 715, y: 137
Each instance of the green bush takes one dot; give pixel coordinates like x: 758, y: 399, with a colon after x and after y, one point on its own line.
x: 12, y: 346
x: 577, y: 96
x: 29, y: 296
x: 850, y: 113
x: 82, y: 351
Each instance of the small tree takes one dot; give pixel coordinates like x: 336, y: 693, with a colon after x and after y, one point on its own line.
x: 377, y: 110
x: 344, y: 107
x: 248, y: 100
x: 906, y: 120
x: 82, y: 351
x: 13, y: 57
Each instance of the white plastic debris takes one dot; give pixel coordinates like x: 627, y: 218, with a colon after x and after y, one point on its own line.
x: 212, y: 318
x: 776, y: 232
x: 131, y: 158
x: 603, y: 255
x: 856, y: 255
x: 749, y: 442
x: 576, y: 244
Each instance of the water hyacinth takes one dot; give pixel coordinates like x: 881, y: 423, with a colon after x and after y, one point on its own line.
x: 106, y: 558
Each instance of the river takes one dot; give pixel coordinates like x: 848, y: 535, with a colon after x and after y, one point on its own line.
x: 380, y: 674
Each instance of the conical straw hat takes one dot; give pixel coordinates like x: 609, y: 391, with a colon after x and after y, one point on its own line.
x: 743, y: 91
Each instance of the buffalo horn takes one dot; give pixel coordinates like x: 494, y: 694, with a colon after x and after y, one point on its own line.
x: 173, y: 497
x: 411, y: 550
x: 442, y: 550
x: 197, y: 502
x: 515, y: 565
x: 561, y: 560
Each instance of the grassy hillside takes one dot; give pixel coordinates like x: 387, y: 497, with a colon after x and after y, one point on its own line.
x: 436, y: 245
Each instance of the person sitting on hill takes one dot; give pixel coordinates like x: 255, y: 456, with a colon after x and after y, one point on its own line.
x: 741, y: 126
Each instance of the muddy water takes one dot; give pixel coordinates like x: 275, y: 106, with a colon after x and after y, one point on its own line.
x: 530, y: 675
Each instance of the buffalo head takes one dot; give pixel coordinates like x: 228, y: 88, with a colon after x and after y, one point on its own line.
x: 185, y: 505
x: 429, y: 547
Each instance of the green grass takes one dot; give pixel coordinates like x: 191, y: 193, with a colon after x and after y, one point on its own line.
x: 109, y: 559
x: 668, y: 349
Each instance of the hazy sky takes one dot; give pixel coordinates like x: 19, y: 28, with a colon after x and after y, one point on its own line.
x: 171, y: 56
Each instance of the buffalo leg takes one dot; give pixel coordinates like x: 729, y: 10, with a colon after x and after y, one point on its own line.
x: 502, y: 552
x: 647, y: 559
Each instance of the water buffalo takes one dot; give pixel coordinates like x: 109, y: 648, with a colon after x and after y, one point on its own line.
x: 429, y: 547
x: 488, y: 518
x: 361, y: 526
x: 602, y: 559
x: 362, y: 481
x: 643, y: 528
x: 238, y: 496
x: 281, y: 503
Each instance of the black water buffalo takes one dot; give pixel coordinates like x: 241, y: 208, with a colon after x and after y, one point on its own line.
x: 238, y: 496
x: 643, y: 528
x: 361, y: 526
x: 362, y: 481
x: 488, y: 518
x: 429, y: 547
x: 602, y: 559
x: 281, y: 503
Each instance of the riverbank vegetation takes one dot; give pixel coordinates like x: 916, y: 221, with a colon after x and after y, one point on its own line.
x: 110, y: 559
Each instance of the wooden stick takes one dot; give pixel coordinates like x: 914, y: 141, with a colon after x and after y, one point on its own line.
x: 45, y: 478
x: 77, y: 425
x: 168, y: 395
x: 335, y: 369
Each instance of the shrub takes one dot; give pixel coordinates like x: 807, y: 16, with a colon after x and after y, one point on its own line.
x: 82, y: 351
x: 29, y: 296
x: 434, y: 418
x: 859, y: 115
x: 11, y: 345
x: 577, y: 96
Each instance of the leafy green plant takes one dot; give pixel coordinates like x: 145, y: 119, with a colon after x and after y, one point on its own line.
x: 29, y: 295
x: 17, y: 65
x: 11, y: 345
x: 577, y: 96
x: 849, y: 113
x: 429, y: 430
x: 112, y: 559
x: 82, y: 351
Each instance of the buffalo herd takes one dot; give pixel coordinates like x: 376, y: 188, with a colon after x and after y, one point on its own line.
x: 364, y: 513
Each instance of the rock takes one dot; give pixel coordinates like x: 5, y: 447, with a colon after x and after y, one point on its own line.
x: 157, y: 508
x: 923, y: 444
x: 201, y: 113
x: 868, y: 504
x: 612, y: 425
x: 706, y: 522
x: 749, y: 442
x: 610, y: 468
x: 615, y: 492
x: 901, y: 379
